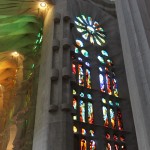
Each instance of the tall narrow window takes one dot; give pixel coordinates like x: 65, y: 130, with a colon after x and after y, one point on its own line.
x: 108, y: 147
x: 102, y: 83
x: 88, y: 78
x: 108, y: 83
x: 74, y: 69
x: 90, y: 113
x: 81, y: 75
x: 105, y: 116
x: 82, y: 111
x: 92, y: 145
x: 112, y: 118
x: 83, y: 144
x: 119, y: 117
x: 74, y: 103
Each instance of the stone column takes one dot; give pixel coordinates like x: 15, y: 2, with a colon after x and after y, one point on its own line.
x: 53, y: 122
x: 136, y: 53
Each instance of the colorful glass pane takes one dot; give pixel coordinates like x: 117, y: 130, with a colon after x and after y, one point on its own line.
x: 116, y: 147
x: 119, y: 119
x: 106, y: 69
x: 74, y: 117
x: 76, y: 50
x: 90, y: 30
x: 92, y: 145
x: 107, y: 136
x: 112, y: 118
x: 115, y: 88
x: 105, y: 116
x: 88, y: 78
x: 74, y: 92
x: 89, y: 96
x: 79, y: 43
x: 75, y: 130
x: 117, y: 104
x: 123, y: 147
x: 81, y: 94
x: 104, y: 53
x: 90, y: 113
x: 109, y: 62
x: 111, y: 103
x: 101, y: 59
x: 74, y: 103
x: 87, y: 64
x: 100, y: 69
x: 85, y: 53
x: 74, y: 69
x: 122, y: 139
x: 102, y: 85
x: 83, y: 131
x: 83, y: 144
x: 91, y: 132
x: 108, y: 84
x: 80, y: 59
x: 81, y: 75
x: 115, y: 137
x: 108, y: 147
x: 104, y: 100
x: 82, y: 111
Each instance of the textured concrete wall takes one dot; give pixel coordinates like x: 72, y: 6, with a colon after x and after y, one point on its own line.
x: 136, y: 53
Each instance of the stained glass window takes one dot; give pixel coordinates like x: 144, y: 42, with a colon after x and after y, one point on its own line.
x: 75, y: 130
x: 107, y: 136
x: 115, y: 137
x: 112, y: 118
x: 79, y: 43
x: 83, y: 144
x: 81, y: 94
x: 116, y: 147
x: 80, y: 59
x: 90, y: 30
x: 104, y: 53
x: 100, y: 69
x: 119, y: 118
x: 81, y: 75
x: 108, y: 83
x: 74, y: 92
x: 102, y: 83
x: 108, y: 147
x: 88, y: 78
x: 122, y: 139
x: 115, y: 89
x: 105, y: 116
x: 90, y: 113
x: 91, y: 132
x: 75, y: 117
x: 104, y: 100
x: 87, y: 64
x: 74, y: 69
x: 84, y: 53
x: 82, y: 111
x: 109, y: 62
x: 111, y: 103
x: 92, y: 145
x: 76, y: 50
x: 74, y: 103
x: 101, y: 59
x: 83, y: 131
x: 89, y: 96
x: 123, y: 147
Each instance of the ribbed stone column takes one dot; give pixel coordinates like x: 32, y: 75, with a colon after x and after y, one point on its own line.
x: 136, y: 53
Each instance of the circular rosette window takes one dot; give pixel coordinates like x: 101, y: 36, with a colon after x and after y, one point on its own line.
x: 90, y: 30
